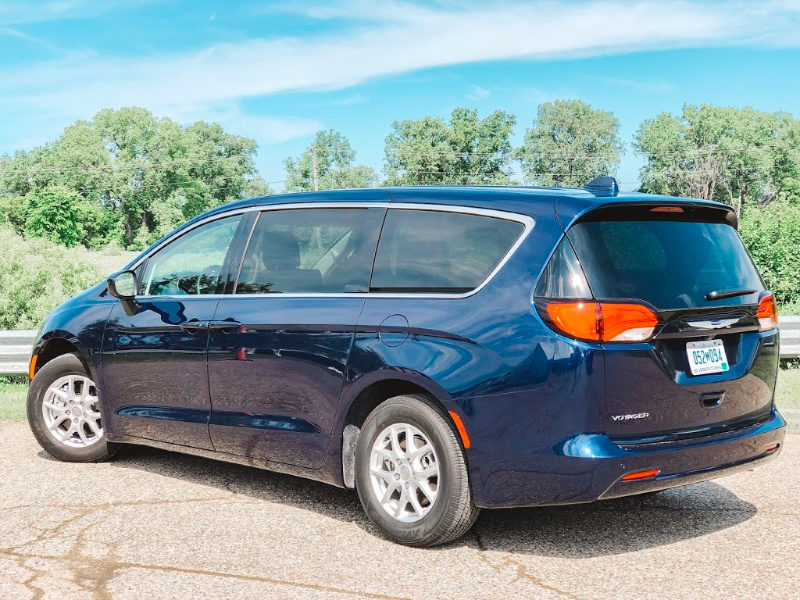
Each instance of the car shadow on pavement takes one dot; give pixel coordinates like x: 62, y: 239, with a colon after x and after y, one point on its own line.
x: 577, y: 531
x: 613, y: 526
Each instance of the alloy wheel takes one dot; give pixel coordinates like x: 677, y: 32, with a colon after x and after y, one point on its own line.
x: 71, y: 409
x: 404, y: 472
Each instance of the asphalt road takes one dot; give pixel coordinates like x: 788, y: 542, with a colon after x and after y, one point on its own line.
x: 152, y: 524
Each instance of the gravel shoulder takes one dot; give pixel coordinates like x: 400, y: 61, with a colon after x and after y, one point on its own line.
x: 156, y: 524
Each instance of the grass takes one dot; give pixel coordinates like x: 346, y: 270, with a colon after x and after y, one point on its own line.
x: 110, y: 260
x: 788, y: 392
x: 789, y: 308
x: 787, y: 397
x: 12, y: 400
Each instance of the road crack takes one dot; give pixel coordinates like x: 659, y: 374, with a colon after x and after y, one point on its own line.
x: 520, y: 570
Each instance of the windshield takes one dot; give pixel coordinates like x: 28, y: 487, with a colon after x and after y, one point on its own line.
x: 669, y: 263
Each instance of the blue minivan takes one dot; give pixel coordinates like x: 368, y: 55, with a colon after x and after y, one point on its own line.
x: 439, y: 349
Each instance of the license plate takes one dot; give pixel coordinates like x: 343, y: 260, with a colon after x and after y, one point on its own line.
x: 707, y: 357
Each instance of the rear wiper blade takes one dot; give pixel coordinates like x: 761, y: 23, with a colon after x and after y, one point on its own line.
x: 720, y: 294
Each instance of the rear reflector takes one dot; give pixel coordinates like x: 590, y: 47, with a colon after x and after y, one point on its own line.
x: 603, y: 321
x: 637, y: 475
x: 772, y: 447
x: 767, y: 313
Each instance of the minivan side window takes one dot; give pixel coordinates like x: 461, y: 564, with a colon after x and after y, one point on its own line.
x: 440, y: 251
x: 192, y: 263
x: 563, y: 277
x: 311, y: 250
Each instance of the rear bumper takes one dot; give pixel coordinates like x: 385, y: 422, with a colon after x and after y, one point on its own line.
x: 590, y: 467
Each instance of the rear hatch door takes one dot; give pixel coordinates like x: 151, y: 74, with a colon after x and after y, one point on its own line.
x: 709, y: 367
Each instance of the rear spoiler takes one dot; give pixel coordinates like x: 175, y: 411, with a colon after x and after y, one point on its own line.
x: 569, y: 211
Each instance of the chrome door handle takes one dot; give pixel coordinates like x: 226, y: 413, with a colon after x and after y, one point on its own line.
x: 223, y: 325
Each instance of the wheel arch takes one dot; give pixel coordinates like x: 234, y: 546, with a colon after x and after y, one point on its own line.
x: 371, y: 391
x: 55, y: 344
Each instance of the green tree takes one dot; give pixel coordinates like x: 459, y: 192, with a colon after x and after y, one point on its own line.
x: 467, y: 150
x: 772, y: 236
x: 719, y: 153
x: 14, y: 212
x: 785, y: 173
x: 334, y: 164
x: 53, y: 213
x: 569, y: 144
x: 36, y: 275
x: 138, y: 176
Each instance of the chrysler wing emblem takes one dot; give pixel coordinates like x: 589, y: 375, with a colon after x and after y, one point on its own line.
x: 712, y: 323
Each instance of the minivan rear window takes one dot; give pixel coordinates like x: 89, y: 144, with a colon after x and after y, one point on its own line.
x: 670, y: 263
x: 440, y: 251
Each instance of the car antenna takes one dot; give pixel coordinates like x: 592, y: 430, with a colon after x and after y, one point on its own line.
x: 602, y: 186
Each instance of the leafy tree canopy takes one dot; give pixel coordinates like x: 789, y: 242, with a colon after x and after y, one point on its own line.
x: 772, y: 237
x: 53, y: 213
x: 718, y: 153
x: 335, y: 168
x: 569, y: 144
x: 133, y: 176
x: 467, y: 150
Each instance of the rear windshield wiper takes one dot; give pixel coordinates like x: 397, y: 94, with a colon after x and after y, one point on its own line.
x: 720, y: 294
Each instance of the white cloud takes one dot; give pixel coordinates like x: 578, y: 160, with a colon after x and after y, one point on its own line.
x: 399, y: 37
x: 266, y: 130
x: 478, y: 93
x: 18, y: 12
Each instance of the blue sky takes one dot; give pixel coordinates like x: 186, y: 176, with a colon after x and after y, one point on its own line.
x: 278, y: 71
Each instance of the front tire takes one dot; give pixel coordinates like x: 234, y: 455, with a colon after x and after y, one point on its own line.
x: 411, y: 474
x: 64, y: 412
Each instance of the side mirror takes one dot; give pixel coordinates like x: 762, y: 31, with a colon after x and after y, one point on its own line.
x: 122, y: 285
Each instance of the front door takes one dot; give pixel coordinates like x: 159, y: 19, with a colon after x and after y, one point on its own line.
x: 154, y: 363
x: 279, y: 345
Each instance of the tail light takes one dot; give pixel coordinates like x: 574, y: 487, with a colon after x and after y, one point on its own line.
x: 602, y: 321
x: 767, y: 312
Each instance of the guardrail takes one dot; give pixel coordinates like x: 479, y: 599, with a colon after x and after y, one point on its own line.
x: 15, y: 351
x: 15, y: 346
x: 790, y: 336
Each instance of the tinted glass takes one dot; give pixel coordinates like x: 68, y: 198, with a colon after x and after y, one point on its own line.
x: 563, y: 277
x: 423, y: 250
x: 311, y: 250
x: 192, y: 263
x: 671, y: 264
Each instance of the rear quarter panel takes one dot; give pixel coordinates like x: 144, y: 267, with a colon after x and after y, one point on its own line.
x: 518, y: 388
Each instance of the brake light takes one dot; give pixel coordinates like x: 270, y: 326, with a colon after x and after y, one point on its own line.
x: 603, y: 321
x: 767, y: 312
x: 667, y: 209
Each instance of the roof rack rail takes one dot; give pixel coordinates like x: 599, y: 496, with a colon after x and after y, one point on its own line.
x: 602, y: 186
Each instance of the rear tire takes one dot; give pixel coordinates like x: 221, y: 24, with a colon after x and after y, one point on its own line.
x: 64, y: 412
x: 411, y: 474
